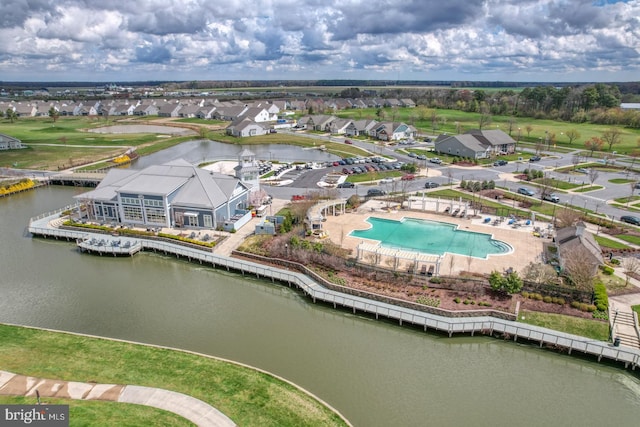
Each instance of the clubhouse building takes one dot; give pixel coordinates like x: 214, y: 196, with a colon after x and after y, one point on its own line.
x: 175, y: 194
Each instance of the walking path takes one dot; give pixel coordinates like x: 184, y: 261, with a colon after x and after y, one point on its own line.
x: 194, y: 410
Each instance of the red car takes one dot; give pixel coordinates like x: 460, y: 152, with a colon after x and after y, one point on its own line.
x: 408, y: 177
x: 348, y: 141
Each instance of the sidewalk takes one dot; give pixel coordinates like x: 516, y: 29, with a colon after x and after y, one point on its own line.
x: 194, y: 410
x: 621, y: 316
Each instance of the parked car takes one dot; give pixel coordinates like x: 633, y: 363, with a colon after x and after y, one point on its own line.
x: 386, y: 180
x: 348, y: 141
x: 551, y: 198
x: 408, y: 177
x: 412, y: 154
x: 500, y: 163
x: 630, y: 219
x: 346, y: 185
x: 535, y: 159
x: 431, y: 184
x: 435, y: 160
x: 525, y: 191
x: 421, y: 157
x: 374, y: 192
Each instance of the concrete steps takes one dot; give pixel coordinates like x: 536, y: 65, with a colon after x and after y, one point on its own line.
x: 623, y: 323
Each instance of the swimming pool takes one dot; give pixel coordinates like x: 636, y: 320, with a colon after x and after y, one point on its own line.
x: 432, y: 237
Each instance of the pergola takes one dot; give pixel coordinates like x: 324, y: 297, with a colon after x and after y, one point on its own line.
x: 417, y: 261
x: 317, y: 213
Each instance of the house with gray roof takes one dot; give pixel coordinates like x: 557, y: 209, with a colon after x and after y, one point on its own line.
x: 475, y: 144
x: 243, y: 127
x: 9, y: 143
x: 339, y: 126
x: 392, y: 131
x: 360, y: 127
x: 174, y: 194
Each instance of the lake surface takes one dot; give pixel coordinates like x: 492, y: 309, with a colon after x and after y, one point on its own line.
x: 375, y: 373
x: 201, y: 151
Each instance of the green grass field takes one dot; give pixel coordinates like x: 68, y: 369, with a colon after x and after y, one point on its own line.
x: 589, y: 328
x: 248, y: 397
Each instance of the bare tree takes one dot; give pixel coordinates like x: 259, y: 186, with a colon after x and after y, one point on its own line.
x: 511, y: 123
x: 539, y: 273
x: 546, y: 187
x: 566, y: 217
x: 612, y: 137
x: 631, y: 267
x: 484, y: 120
x: 578, y: 265
x: 528, y: 128
x: 575, y: 159
x: 593, y: 175
x: 573, y: 135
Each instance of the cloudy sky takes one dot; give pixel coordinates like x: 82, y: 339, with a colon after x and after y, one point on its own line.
x: 130, y: 40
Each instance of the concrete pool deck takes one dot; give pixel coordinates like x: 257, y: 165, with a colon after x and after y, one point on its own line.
x: 526, y: 246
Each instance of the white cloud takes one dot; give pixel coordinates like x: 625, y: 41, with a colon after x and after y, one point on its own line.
x: 298, y: 39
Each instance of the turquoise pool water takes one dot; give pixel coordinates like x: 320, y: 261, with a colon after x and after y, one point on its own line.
x: 431, y: 237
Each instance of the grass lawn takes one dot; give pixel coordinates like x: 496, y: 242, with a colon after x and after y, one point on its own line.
x: 66, y: 143
x: 636, y: 308
x: 590, y: 328
x: 609, y: 243
x: 620, y: 181
x: 374, y: 176
x: 95, y: 413
x: 247, y: 396
x: 588, y: 188
x: 634, y: 240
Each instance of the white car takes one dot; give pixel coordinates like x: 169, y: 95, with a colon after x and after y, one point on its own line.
x: 386, y: 180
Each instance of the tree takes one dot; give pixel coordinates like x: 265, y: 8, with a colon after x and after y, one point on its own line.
x: 546, y: 187
x: 593, y: 175
x: 528, y: 128
x: 631, y: 267
x: 612, y: 136
x: 202, y: 132
x: 510, y: 283
x: 573, y: 135
x: 579, y: 267
x: 566, y: 217
x: 484, y: 120
x: 593, y: 144
x: 54, y: 114
x: 540, y: 273
x: 11, y: 115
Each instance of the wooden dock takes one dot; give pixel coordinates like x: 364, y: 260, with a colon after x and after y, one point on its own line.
x: 78, y: 179
x: 483, y: 324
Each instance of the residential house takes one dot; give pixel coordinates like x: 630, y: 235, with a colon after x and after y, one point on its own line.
x: 175, y: 194
x: 258, y: 115
x: 25, y: 110
x: 189, y: 111
x: 244, y: 127
x: 228, y: 113
x: 339, y: 126
x: 169, y: 109
x: 146, y: 109
x: 360, y: 127
x: 392, y: 131
x: 476, y: 144
x: 319, y: 122
x: 408, y: 103
x: 9, y: 143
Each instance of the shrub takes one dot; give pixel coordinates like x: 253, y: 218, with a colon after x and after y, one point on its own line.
x: 430, y: 301
x: 456, y: 300
x: 435, y: 280
x: 607, y: 270
x: 601, y: 315
x: 615, y: 261
x: 558, y: 300
x: 525, y: 294
x: 547, y: 299
x: 600, y: 298
x: 537, y: 297
x: 575, y: 304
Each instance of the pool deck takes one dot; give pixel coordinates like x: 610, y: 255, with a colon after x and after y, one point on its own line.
x: 526, y: 246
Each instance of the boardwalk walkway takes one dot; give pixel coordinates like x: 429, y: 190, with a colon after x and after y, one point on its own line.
x: 194, y: 410
x: 447, y: 322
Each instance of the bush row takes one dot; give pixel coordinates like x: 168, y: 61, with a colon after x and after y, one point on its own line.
x: 583, y: 306
x: 600, y: 298
x: 546, y: 298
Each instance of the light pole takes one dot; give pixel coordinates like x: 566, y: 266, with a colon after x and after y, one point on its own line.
x: 613, y: 324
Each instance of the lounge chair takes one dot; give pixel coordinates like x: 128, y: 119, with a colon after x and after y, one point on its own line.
x: 431, y: 270
x: 487, y: 220
x: 423, y: 270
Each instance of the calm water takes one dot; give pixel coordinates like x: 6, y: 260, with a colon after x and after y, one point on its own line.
x: 202, y: 151
x: 375, y: 373
x: 432, y: 237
